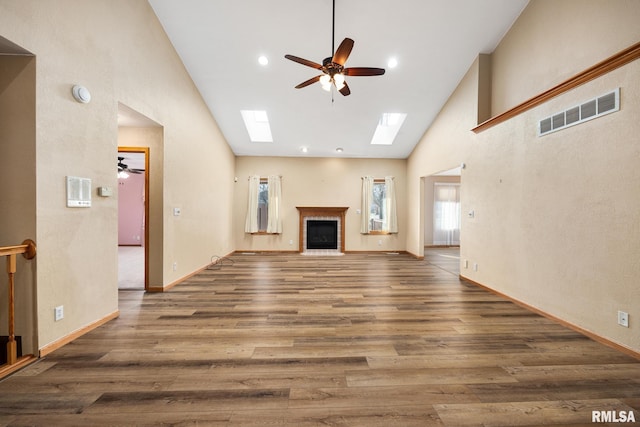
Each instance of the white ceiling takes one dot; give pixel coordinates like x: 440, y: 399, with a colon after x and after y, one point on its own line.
x: 434, y: 41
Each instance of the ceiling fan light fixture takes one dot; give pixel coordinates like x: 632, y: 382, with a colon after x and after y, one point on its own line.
x: 325, y: 81
x: 333, y: 68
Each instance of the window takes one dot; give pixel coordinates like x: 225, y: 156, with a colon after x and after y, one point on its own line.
x: 377, y: 210
x: 263, y: 207
x: 378, y: 206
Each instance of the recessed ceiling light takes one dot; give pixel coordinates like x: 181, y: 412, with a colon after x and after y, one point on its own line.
x: 393, y: 63
x: 304, y: 149
x: 339, y: 150
x: 263, y: 60
x: 388, y: 127
x: 257, y: 124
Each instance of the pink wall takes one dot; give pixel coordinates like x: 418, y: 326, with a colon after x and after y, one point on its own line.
x: 131, y: 210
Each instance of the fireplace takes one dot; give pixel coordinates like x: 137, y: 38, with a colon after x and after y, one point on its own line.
x: 321, y: 230
x: 322, y: 234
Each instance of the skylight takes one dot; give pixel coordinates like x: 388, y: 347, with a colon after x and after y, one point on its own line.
x: 388, y: 127
x: 257, y: 124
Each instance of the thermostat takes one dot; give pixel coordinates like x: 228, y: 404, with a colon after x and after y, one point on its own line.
x: 105, y: 191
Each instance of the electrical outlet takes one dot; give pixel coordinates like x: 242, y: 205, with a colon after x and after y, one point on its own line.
x: 466, y: 263
x: 175, y: 266
x: 475, y: 266
x: 58, y: 313
x: 623, y: 319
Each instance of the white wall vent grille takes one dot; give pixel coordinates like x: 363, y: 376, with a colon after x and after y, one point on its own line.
x: 591, y: 109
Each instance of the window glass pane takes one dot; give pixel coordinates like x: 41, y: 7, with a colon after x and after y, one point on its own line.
x: 377, y: 214
x: 263, y: 205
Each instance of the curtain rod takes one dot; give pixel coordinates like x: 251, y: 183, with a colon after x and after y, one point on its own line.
x: 279, y: 176
x: 392, y: 177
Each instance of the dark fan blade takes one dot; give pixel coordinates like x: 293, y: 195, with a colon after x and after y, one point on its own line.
x: 308, y: 82
x: 135, y: 170
x: 341, y: 55
x: 304, y: 62
x: 363, y: 71
x: 345, y: 90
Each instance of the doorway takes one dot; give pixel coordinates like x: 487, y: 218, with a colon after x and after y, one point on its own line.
x: 133, y: 214
x: 442, y: 209
x: 138, y: 133
x: 441, y: 219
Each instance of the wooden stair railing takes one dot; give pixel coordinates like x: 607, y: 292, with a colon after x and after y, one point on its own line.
x: 28, y: 250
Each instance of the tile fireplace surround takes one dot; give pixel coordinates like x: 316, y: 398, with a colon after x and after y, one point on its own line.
x: 321, y: 212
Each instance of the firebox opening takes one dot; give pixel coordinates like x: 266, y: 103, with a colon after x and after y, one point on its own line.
x: 322, y: 234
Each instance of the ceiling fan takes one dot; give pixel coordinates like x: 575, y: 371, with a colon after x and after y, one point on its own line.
x: 125, y: 168
x: 333, y: 69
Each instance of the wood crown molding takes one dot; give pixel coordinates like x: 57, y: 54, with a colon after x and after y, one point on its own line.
x: 618, y: 60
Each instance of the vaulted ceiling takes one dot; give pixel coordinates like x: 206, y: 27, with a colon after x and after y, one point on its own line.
x: 433, y: 41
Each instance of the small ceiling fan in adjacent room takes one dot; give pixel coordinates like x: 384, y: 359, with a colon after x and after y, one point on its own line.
x: 124, y: 170
x: 333, y: 69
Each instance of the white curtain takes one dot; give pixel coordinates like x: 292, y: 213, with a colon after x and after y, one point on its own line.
x: 367, y: 190
x: 274, y: 224
x: 446, y: 214
x: 391, y: 217
x: 251, y: 223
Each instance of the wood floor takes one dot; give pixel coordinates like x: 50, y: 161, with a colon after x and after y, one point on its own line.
x: 357, y: 340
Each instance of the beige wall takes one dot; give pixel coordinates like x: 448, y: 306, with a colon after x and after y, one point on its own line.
x: 118, y: 50
x: 554, y: 40
x: 317, y: 182
x: 556, y: 218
